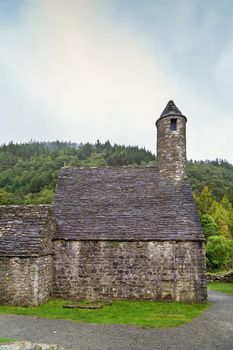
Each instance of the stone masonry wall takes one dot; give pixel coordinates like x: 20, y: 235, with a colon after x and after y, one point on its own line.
x: 25, y: 280
x: 171, y: 149
x: 146, y: 270
x: 224, y: 277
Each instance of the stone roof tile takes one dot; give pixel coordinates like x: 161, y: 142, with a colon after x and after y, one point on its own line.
x: 26, y: 230
x: 171, y: 110
x: 123, y: 203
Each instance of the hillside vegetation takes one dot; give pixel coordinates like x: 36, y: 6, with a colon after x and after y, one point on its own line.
x: 28, y: 175
x: 28, y: 172
x: 217, y: 175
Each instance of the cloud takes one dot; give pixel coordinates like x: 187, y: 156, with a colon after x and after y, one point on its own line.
x: 81, y: 76
x: 84, y: 70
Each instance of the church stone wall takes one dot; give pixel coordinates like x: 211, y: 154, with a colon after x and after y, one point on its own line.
x: 25, y: 281
x: 162, y: 270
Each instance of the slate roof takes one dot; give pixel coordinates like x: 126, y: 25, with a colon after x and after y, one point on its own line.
x: 171, y: 110
x: 123, y: 203
x: 26, y: 230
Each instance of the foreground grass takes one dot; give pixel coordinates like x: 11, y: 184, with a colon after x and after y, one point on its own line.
x: 136, y: 313
x: 221, y: 287
x: 6, y: 340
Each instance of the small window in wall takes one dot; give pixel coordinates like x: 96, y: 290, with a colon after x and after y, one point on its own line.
x: 173, y: 124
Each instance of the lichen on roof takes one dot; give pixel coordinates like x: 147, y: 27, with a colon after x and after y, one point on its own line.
x: 26, y: 230
x: 123, y: 204
x: 171, y: 110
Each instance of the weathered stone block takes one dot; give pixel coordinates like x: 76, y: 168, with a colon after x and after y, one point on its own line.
x: 149, y: 270
x: 25, y: 280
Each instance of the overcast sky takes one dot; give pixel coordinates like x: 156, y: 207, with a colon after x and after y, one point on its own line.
x: 83, y: 70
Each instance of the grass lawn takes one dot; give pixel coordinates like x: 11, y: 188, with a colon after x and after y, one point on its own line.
x: 135, y: 313
x: 221, y: 287
x: 6, y: 340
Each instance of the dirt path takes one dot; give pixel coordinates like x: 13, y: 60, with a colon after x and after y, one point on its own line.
x: 213, y: 330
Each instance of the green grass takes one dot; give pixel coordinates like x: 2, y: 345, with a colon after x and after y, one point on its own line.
x: 6, y: 340
x: 136, y: 313
x: 223, y: 287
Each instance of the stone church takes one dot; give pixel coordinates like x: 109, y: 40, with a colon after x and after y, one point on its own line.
x: 111, y: 233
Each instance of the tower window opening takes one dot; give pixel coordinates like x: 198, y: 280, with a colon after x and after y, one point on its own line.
x: 173, y: 124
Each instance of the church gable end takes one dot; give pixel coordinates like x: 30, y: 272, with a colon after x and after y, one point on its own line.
x: 112, y: 232
x: 131, y: 232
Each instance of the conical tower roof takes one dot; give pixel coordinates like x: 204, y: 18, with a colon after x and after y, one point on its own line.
x: 171, y: 110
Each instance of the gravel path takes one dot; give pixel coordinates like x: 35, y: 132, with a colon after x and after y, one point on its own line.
x: 213, y: 330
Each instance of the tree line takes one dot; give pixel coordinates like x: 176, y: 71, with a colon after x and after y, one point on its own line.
x: 29, y: 171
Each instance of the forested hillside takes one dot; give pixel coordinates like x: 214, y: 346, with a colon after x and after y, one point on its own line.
x: 28, y: 172
x: 217, y: 175
x: 28, y: 175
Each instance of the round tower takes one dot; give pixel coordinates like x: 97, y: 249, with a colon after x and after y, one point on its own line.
x: 171, y: 144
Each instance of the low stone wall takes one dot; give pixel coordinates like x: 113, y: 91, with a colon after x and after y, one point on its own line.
x: 162, y: 270
x: 226, y: 277
x: 25, y: 281
x: 29, y: 346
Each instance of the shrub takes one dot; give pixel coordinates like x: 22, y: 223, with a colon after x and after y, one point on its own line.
x: 209, y: 226
x: 219, y: 253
